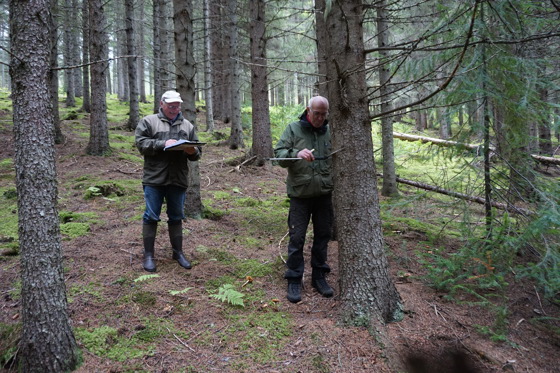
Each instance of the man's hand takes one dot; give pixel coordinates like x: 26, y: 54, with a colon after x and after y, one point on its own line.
x: 306, y: 154
x: 190, y: 150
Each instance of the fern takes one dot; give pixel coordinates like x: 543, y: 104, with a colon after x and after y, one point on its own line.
x: 178, y: 292
x: 145, y: 277
x: 227, y: 294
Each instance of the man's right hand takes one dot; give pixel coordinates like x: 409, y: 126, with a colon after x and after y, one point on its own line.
x: 306, y: 154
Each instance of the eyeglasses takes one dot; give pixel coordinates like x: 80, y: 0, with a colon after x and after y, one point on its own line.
x: 320, y: 113
x: 173, y: 107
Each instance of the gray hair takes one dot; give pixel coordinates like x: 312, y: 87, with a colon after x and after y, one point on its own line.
x: 318, y: 99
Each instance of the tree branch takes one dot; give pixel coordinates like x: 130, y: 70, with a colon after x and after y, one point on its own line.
x: 95, y: 62
x: 444, y: 84
x: 466, y: 197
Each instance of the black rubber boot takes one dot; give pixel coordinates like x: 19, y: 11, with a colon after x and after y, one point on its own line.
x: 294, y: 290
x: 149, y: 237
x: 176, y: 239
x: 319, y: 282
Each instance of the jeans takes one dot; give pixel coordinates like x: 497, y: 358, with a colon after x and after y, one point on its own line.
x: 319, y: 210
x: 174, y: 197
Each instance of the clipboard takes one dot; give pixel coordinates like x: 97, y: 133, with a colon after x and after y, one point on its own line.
x: 183, y: 144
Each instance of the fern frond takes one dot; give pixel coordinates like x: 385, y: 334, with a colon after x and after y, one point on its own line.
x: 145, y: 277
x: 177, y: 292
x: 227, y: 294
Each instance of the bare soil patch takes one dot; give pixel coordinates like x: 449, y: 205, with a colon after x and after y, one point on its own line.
x: 436, y: 334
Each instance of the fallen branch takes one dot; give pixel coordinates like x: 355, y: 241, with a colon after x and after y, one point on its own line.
x: 480, y: 200
x: 238, y: 168
x: 447, y: 143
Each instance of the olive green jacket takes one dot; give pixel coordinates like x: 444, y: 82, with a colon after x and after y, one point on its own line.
x: 165, y: 167
x: 306, y: 179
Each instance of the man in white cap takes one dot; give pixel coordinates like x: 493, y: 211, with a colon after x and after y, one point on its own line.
x: 165, y: 174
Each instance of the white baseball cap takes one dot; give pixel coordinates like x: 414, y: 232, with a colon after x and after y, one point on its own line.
x: 171, y: 96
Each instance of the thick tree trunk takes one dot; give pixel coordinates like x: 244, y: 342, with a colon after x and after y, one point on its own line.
x: 99, y: 131
x: 70, y: 100
x: 220, y: 61
x: 123, y: 91
x: 368, y: 294
x: 236, y: 134
x: 141, y: 50
x: 158, y: 36
x: 262, y: 140
x: 47, y: 343
x: 58, y: 135
x: 321, y: 31
x: 134, y: 115
x: 185, y: 69
x: 76, y: 58
x: 389, y: 187
x: 208, y: 89
x: 86, y: 104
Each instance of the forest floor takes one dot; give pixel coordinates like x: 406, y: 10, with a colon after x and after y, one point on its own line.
x: 171, y: 323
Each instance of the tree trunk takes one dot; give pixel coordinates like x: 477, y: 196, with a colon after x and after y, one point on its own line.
x: 221, y: 76
x: 158, y: 21
x: 123, y: 91
x: 76, y: 72
x: 140, y: 48
x: 368, y: 295
x: 99, y: 131
x: 47, y: 343
x: 321, y: 31
x: 236, y: 134
x: 86, y: 104
x: 68, y: 54
x: 185, y: 69
x: 58, y: 135
x: 161, y: 51
x: 389, y: 187
x: 134, y: 115
x: 208, y: 89
x: 262, y: 140
x: 545, y: 136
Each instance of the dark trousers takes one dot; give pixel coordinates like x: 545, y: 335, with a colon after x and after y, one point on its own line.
x: 319, y: 210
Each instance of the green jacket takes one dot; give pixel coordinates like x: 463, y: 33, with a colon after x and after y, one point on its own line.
x: 164, y: 167
x: 306, y: 179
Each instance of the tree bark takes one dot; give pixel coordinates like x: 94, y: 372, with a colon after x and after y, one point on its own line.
x: 236, y: 135
x: 185, y: 70
x: 389, y: 187
x: 140, y: 48
x: 119, y: 13
x: 158, y: 37
x: 368, y: 295
x: 58, y: 135
x: 76, y: 58
x: 321, y: 32
x: 220, y: 57
x: 134, y: 115
x: 86, y: 103
x: 262, y: 139
x: 47, y: 343
x: 208, y: 89
x: 99, y: 131
x: 70, y: 100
